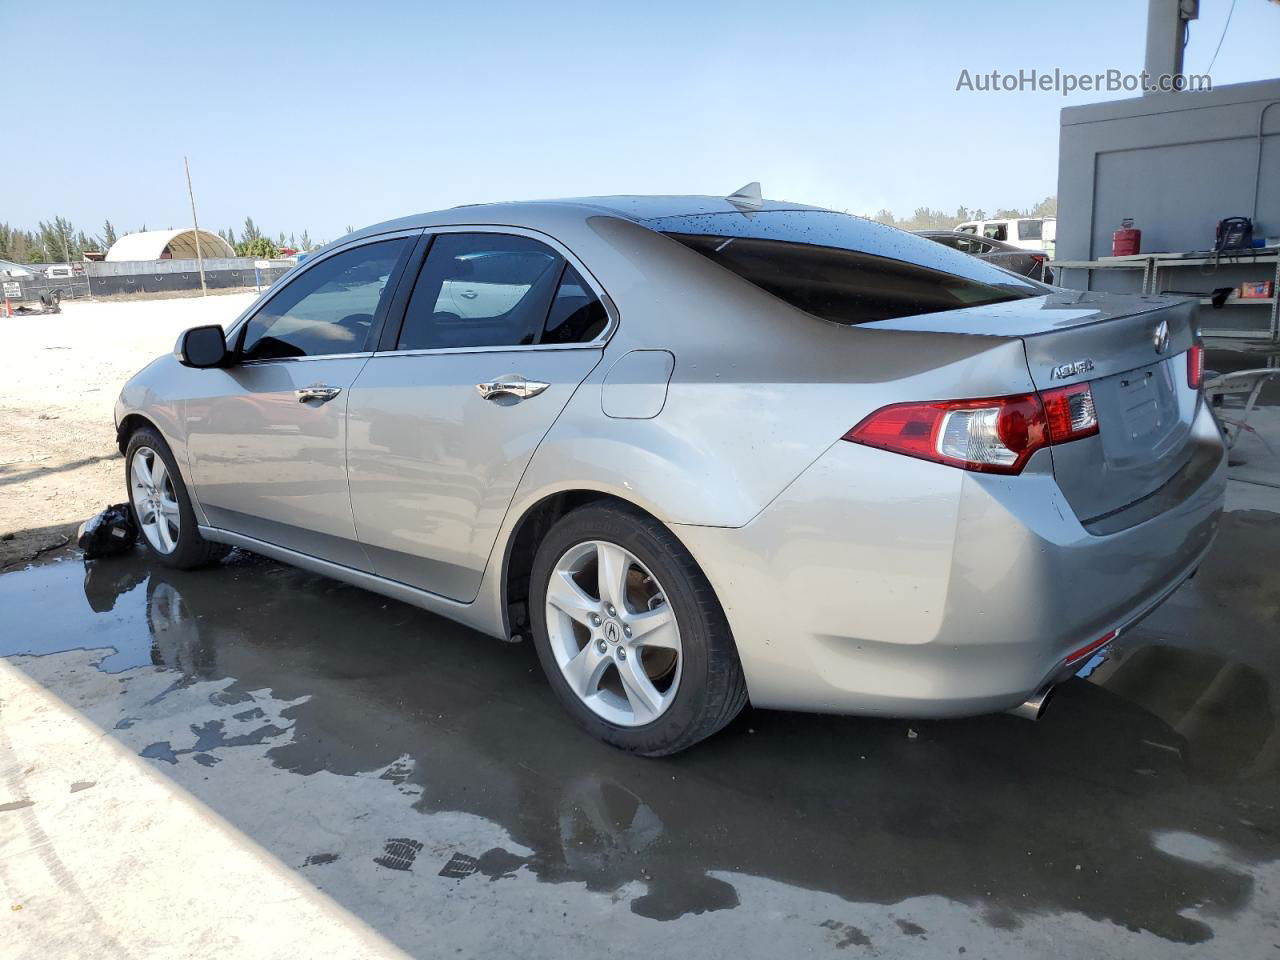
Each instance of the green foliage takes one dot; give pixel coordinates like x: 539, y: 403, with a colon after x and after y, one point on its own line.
x: 925, y: 218
x: 260, y: 248
x: 56, y: 239
x: 250, y: 232
x: 19, y: 246
x: 51, y: 242
x: 108, y: 235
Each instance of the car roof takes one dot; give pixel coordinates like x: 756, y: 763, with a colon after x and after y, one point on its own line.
x: 637, y: 208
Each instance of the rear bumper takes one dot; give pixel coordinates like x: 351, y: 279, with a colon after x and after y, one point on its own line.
x: 886, y: 585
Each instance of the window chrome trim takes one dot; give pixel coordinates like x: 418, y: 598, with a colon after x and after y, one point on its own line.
x: 523, y: 348
x: 364, y: 354
x: 273, y: 291
x: 610, y: 309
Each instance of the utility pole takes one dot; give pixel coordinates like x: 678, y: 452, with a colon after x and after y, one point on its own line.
x: 1167, y: 36
x: 71, y: 271
x: 204, y: 291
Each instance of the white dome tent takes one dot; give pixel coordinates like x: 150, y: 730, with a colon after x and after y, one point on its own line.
x: 168, y: 245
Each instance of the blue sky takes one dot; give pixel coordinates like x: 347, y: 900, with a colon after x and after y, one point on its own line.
x: 321, y: 114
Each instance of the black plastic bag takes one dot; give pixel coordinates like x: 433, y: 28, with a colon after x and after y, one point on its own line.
x: 111, y: 531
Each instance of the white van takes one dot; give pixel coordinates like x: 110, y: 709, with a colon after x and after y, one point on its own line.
x: 1028, y: 233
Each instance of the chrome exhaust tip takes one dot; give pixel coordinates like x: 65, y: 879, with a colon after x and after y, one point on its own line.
x: 1034, y: 706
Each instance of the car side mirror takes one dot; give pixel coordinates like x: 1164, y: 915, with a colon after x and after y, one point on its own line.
x: 202, y: 347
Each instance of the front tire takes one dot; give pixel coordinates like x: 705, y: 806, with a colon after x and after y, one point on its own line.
x: 161, y: 507
x: 630, y: 634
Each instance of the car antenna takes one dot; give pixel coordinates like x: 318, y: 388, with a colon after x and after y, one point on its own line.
x: 747, y: 199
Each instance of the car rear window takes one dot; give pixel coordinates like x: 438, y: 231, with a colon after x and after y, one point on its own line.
x: 854, y: 286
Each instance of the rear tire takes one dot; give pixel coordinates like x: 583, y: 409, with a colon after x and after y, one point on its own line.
x: 161, y: 507
x: 690, y: 660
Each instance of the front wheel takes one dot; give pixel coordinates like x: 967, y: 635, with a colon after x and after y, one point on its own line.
x: 630, y: 633
x: 160, y: 505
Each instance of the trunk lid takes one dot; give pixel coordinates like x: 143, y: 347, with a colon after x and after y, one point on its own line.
x: 1145, y: 407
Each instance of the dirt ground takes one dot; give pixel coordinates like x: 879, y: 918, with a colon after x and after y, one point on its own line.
x: 59, y: 380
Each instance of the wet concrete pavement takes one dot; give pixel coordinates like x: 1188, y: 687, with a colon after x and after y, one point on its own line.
x: 424, y: 778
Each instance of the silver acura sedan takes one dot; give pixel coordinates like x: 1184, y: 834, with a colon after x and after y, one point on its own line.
x: 700, y: 450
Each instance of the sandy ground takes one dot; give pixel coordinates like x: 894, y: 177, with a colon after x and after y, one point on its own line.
x: 60, y: 375
x: 58, y: 384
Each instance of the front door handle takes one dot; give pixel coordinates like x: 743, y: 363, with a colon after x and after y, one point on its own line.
x: 317, y: 391
x: 511, y: 386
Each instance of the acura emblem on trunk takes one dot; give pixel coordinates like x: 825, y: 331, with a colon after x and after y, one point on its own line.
x: 1064, y: 370
x: 1161, y: 336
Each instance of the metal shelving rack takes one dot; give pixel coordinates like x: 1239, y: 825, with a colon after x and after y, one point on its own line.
x: 1153, y: 265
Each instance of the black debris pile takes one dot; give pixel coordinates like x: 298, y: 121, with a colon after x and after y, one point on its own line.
x: 111, y: 531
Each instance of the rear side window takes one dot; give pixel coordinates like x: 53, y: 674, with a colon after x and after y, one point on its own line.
x: 481, y: 290
x: 850, y: 286
x: 996, y: 231
x: 576, y: 315
x: 1030, y: 229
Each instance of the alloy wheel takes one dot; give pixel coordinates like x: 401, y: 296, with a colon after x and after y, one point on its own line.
x: 155, y: 501
x: 613, y: 634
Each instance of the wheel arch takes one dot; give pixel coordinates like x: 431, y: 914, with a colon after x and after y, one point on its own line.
x: 158, y: 419
x: 131, y: 424
x: 527, y: 533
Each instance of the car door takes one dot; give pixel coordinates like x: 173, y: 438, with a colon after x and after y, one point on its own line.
x: 443, y: 421
x: 266, y: 436
x: 1010, y: 258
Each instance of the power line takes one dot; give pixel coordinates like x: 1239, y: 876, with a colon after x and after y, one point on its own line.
x: 1221, y: 38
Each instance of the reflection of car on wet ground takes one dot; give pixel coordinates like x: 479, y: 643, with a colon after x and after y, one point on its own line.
x: 1161, y: 739
x: 701, y: 450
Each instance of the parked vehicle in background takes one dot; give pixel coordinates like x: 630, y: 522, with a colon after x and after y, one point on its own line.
x: 63, y: 271
x: 14, y: 271
x: 1028, y: 263
x: 699, y: 450
x: 1026, y: 233
x: 20, y: 286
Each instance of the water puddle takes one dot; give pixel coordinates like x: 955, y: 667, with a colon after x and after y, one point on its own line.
x: 265, y: 689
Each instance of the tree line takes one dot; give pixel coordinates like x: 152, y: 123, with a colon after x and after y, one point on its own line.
x: 926, y: 218
x: 252, y: 242
x: 59, y: 241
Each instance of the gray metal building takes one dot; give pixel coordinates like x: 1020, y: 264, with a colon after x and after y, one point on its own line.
x: 1176, y: 163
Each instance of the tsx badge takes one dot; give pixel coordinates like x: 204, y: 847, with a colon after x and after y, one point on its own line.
x: 1064, y: 370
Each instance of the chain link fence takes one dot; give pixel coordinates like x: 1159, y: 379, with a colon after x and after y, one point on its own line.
x: 123, y: 278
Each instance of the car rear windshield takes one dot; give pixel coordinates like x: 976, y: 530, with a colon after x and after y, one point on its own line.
x: 852, y: 286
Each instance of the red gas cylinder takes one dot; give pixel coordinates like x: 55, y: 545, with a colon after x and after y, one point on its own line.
x: 1126, y: 241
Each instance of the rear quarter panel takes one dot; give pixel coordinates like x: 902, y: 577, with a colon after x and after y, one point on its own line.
x: 758, y: 391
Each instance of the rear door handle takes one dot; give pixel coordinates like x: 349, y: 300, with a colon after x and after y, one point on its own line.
x: 511, y: 386
x: 317, y: 391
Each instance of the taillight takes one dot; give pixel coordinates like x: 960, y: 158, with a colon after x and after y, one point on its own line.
x: 994, y: 435
x: 1195, y: 366
x: 997, y: 435
x: 1070, y: 413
